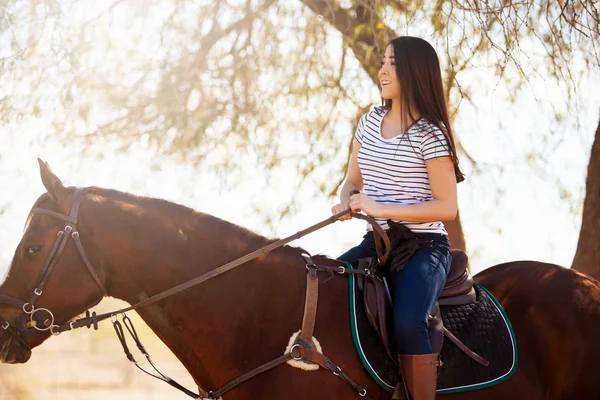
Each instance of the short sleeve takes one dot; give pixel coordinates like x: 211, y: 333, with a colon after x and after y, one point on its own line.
x: 434, y: 144
x: 358, y: 134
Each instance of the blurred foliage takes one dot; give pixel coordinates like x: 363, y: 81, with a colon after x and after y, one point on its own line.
x: 231, y: 84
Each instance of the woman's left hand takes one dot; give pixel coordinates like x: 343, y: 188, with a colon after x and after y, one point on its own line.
x: 362, y: 202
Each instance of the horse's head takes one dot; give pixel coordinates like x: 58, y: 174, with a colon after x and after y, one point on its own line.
x: 50, y: 279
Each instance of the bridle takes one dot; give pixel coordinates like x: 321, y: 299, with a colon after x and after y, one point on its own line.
x: 303, y: 349
x: 69, y: 230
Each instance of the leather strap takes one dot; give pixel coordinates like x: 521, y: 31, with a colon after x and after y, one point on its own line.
x: 11, y: 301
x: 310, y: 305
x: 121, y: 336
x: 57, y: 249
x: 229, y: 266
x: 464, y: 348
x: 326, y: 363
x: 88, y: 264
x: 14, y: 333
x: 237, y: 381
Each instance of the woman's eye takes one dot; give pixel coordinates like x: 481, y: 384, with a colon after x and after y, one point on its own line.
x: 33, y: 249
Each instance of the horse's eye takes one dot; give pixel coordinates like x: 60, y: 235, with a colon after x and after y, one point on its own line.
x: 33, y: 249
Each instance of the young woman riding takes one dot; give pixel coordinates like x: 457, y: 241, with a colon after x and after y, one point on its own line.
x: 405, y: 168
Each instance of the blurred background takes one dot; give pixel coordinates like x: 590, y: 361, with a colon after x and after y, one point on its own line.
x: 246, y: 109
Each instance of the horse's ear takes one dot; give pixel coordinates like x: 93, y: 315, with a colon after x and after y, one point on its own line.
x: 53, y: 185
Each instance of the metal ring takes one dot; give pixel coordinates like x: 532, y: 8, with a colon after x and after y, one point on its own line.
x: 48, y: 325
x: 71, y: 325
x: 113, y: 318
x: 25, y: 308
x: 296, y: 346
x: 52, y: 330
x: 337, y: 371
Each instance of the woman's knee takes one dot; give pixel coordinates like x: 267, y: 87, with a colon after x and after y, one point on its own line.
x: 410, y: 327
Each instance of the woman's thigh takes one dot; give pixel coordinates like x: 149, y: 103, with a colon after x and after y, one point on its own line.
x: 417, y: 287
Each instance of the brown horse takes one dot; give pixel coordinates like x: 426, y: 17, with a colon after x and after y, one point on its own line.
x: 138, y: 247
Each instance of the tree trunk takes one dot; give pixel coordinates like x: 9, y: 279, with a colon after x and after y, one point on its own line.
x: 587, y: 256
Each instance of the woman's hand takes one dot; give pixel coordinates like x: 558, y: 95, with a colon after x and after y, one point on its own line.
x: 362, y: 202
x: 338, y: 208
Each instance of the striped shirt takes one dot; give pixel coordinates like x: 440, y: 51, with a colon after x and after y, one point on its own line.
x: 393, y: 170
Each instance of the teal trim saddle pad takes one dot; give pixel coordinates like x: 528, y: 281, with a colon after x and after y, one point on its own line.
x: 482, y: 326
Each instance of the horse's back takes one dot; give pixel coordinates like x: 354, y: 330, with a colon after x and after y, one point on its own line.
x: 555, y: 313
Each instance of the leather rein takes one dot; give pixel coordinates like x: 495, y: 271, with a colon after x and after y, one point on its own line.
x: 302, y: 350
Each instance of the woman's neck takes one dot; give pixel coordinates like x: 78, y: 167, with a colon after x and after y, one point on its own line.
x: 403, y: 120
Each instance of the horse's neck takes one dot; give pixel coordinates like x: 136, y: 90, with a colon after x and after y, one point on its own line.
x: 159, y: 255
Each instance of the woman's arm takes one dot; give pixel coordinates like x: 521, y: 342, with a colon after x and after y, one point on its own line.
x: 443, y: 207
x: 354, y: 181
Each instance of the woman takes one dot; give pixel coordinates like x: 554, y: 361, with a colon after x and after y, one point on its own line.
x: 405, y: 167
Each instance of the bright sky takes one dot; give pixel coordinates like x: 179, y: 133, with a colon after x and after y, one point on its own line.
x: 510, y: 214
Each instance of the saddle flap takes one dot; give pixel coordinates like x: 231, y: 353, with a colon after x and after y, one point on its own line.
x: 377, y: 304
x: 435, y: 329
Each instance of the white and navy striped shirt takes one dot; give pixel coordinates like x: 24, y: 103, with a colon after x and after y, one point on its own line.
x: 393, y: 170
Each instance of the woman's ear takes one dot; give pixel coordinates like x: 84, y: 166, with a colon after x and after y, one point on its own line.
x: 53, y: 185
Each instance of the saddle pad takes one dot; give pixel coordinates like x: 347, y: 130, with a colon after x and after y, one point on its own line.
x: 482, y: 326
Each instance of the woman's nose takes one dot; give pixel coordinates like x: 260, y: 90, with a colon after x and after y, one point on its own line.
x: 384, y: 70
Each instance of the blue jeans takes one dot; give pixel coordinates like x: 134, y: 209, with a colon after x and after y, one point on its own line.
x: 414, y: 290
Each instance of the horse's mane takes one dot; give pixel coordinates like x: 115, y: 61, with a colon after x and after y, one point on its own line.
x: 169, y: 209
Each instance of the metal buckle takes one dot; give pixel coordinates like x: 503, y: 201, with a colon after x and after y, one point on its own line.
x: 341, y: 270
x: 37, y: 292
x: 337, y: 371
x: 6, y: 325
x: 363, y: 393
x: 76, y: 233
x: 296, y: 346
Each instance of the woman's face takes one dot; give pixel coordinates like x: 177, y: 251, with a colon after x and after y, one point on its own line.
x: 390, y: 87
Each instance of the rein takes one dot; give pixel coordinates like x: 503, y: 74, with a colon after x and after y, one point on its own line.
x: 303, y: 348
x: 94, y: 319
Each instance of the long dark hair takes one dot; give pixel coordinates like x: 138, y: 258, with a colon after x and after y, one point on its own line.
x: 420, y: 78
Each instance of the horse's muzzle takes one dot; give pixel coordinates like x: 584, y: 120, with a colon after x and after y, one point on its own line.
x: 13, y: 352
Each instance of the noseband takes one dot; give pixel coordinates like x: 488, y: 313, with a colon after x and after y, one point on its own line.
x: 68, y: 231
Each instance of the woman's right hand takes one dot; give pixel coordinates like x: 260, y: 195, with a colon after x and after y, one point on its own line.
x: 338, y: 208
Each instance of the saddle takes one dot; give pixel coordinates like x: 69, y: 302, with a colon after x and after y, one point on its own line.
x: 378, y: 303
